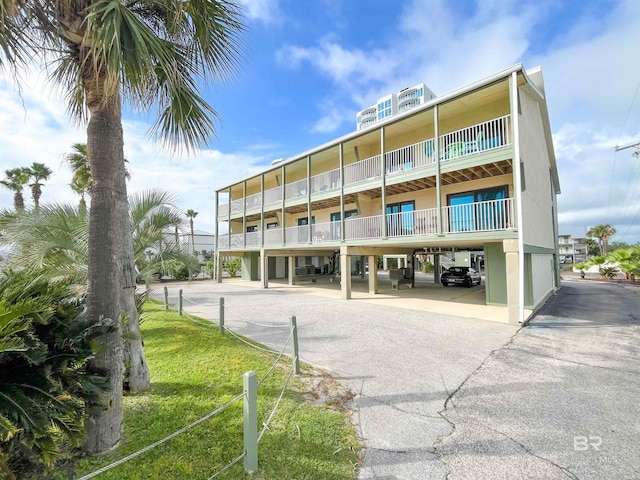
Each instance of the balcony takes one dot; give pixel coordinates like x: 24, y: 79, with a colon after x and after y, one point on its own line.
x: 478, y: 217
x: 476, y: 139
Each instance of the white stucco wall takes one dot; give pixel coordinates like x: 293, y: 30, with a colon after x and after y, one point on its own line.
x: 537, y: 204
x: 543, y: 275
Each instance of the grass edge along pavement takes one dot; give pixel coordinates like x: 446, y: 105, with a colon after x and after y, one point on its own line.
x: 194, y: 370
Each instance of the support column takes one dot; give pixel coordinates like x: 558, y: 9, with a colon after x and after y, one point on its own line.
x: 361, y: 266
x: 345, y: 274
x: 218, y: 267
x: 436, y: 268
x: 373, y: 275
x: 292, y: 269
x: 512, y: 265
x: 264, y: 269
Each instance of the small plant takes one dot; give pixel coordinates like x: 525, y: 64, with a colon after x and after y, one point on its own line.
x: 427, y: 267
x: 208, y: 267
x: 232, y: 266
x: 608, y: 272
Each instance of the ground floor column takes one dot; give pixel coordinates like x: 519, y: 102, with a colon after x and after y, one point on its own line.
x: 264, y: 269
x: 345, y: 274
x: 291, y: 268
x: 436, y: 268
x: 512, y: 266
x: 218, y: 268
x: 373, y: 275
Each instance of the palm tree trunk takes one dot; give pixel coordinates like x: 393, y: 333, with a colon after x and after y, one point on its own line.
x: 111, y: 276
x: 193, y: 243
x: 18, y: 201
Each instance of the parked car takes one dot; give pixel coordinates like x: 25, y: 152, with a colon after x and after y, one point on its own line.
x: 466, y: 276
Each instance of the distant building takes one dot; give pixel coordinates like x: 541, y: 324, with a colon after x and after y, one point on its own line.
x: 572, y: 250
x: 393, y: 104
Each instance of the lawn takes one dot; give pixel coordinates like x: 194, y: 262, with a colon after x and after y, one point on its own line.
x: 194, y: 370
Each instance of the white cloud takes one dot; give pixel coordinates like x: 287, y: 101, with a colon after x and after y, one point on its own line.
x: 266, y: 11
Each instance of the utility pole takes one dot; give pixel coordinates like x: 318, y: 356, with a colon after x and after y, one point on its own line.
x: 633, y: 145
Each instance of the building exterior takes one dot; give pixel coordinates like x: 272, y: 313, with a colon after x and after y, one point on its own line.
x: 572, y: 250
x: 471, y: 170
x: 392, y: 104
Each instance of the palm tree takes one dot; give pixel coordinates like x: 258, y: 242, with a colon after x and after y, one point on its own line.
x: 628, y: 259
x: 38, y: 172
x: 603, y: 233
x: 16, y: 179
x: 150, y: 53
x: 79, y: 164
x: 191, y: 214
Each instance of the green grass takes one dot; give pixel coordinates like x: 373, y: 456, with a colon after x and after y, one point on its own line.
x: 194, y: 370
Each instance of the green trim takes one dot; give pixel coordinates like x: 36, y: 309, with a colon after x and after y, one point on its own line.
x: 539, y: 250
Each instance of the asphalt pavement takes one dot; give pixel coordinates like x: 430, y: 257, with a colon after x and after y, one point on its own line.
x: 444, y: 396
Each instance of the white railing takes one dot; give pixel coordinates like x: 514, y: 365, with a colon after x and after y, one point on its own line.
x: 223, y: 210
x: 366, y: 169
x: 356, y: 228
x: 418, y: 222
x: 299, y: 234
x: 413, y: 156
x: 254, y: 201
x: 237, y: 240
x: 325, y: 232
x: 479, y: 216
x: 477, y: 138
x: 325, y: 181
x: 223, y: 241
x: 254, y: 239
x: 237, y: 205
x: 273, y: 236
x: 273, y: 195
x: 295, y: 189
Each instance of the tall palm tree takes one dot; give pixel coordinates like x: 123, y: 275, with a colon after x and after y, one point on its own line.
x: 38, y: 172
x: 191, y: 214
x: 603, y: 233
x: 149, y: 53
x: 16, y: 179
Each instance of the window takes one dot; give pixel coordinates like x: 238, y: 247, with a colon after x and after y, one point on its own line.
x: 336, y: 224
x: 252, y: 228
x: 478, y: 210
x: 400, y: 218
x: 305, y: 221
x: 272, y: 225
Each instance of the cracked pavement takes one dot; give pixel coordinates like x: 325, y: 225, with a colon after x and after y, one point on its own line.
x: 560, y: 400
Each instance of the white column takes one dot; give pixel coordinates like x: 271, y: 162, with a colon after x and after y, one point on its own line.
x: 292, y: 268
x: 512, y: 265
x: 345, y: 274
x: 373, y: 275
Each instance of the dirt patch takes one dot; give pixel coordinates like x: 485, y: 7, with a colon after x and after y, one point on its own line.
x: 324, y: 390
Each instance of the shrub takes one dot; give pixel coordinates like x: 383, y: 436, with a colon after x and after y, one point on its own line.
x: 427, y: 267
x: 232, y: 266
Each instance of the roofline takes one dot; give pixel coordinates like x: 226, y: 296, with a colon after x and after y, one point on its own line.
x: 518, y: 67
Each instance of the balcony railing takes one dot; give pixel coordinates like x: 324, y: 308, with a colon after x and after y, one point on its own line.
x: 295, y: 189
x: 237, y: 240
x: 236, y: 206
x: 418, y: 222
x: 254, y: 239
x: 325, y: 232
x: 223, y: 241
x: 325, y: 181
x: 254, y: 201
x: 297, y: 235
x: 362, y: 228
x: 413, y: 156
x: 367, y: 169
x: 273, y: 196
x: 223, y: 210
x: 477, y: 138
x: 479, y: 216
x: 273, y: 236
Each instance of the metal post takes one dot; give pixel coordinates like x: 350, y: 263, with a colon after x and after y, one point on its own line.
x: 222, y: 315
x: 294, y: 344
x: 166, y: 298
x: 250, y: 382
x: 180, y: 303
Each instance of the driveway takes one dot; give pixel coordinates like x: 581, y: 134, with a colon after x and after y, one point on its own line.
x: 402, y: 363
x: 559, y: 401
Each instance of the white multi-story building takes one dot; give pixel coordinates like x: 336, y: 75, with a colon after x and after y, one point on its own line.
x: 393, y: 104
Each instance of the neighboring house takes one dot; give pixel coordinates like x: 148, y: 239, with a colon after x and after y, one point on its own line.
x: 437, y: 177
x: 572, y: 250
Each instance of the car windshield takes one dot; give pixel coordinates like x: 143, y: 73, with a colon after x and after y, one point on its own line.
x: 459, y: 269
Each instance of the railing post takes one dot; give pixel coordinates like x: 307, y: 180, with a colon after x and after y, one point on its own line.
x: 250, y: 383
x: 294, y: 344
x: 222, y: 315
x: 166, y: 298
x: 180, y: 302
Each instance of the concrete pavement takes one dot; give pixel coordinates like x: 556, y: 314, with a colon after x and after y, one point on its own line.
x: 403, y: 364
x: 441, y: 396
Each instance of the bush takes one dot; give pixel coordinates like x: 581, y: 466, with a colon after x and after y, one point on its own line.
x: 45, y: 344
x: 232, y: 266
x: 427, y: 267
x: 208, y: 267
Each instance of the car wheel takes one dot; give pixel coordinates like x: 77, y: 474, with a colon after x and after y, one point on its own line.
x: 445, y: 284
x: 469, y: 283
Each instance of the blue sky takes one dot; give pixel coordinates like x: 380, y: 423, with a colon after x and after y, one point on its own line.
x: 308, y: 67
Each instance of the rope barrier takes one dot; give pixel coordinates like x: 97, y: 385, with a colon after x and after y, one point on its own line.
x: 233, y: 462
x: 267, y: 326
x: 275, y: 408
x: 201, y: 304
x: 277, y: 359
x: 250, y: 344
x: 161, y: 441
